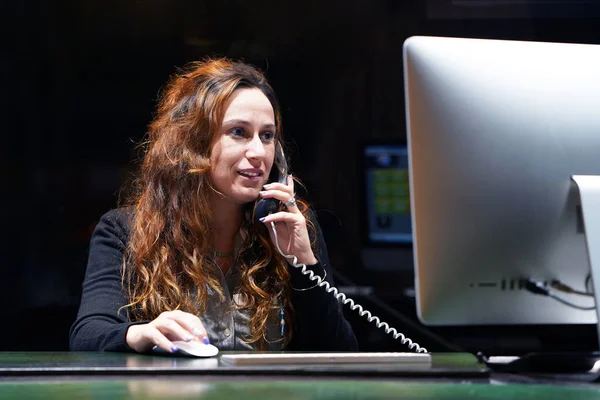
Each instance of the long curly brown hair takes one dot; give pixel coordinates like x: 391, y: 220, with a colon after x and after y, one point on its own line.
x: 166, y: 267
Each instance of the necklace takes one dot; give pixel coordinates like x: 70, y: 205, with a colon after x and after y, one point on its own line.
x: 220, y: 254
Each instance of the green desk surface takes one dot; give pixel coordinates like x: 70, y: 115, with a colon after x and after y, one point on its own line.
x: 285, y: 389
x: 72, y: 363
x: 128, y: 376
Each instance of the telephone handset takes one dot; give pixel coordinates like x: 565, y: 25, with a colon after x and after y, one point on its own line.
x: 265, y: 207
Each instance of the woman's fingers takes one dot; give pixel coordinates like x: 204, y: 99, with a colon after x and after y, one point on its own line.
x: 169, y: 326
x: 179, y: 325
x: 285, y: 187
x: 192, y: 324
x: 143, y: 337
x: 156, y: 337
x: 282, y: 192
x: 282, y: 216
x: 275, y: 194
x: 171, y: 329
x: 288, y: 199
x: 290, y: 182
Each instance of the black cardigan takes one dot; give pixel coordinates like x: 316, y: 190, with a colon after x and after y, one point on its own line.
x: 318, y: 319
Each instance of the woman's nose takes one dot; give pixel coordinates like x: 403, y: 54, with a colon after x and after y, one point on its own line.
x: 256, y: 147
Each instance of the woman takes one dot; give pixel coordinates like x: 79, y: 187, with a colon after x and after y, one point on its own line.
x: 186, y: 260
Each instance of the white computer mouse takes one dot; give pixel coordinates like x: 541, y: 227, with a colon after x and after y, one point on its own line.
x: 193, y: 348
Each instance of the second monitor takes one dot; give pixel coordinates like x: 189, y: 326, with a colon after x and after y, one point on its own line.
x: 386, y: 228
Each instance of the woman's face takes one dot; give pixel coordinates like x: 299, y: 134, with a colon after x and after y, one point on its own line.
x: 242, y: 153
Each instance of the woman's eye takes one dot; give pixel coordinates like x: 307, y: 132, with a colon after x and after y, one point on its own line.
x: 268, y: 136
x: 236, y: 132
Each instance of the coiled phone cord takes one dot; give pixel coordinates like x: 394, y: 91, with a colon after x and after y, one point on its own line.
x: 346, y: 300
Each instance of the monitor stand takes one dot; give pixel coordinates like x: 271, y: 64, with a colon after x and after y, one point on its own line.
x: 589, y: 193
x: 573, y: 362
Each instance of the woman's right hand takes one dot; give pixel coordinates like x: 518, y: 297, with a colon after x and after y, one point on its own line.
x: 167, y: 327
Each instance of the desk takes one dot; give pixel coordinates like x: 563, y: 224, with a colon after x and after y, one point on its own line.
x: 129, y: 376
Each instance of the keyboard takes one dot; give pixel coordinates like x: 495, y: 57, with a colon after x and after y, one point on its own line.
x: 412, y: 359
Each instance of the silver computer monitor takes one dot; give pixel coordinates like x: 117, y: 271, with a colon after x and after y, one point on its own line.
x: 496, y: 129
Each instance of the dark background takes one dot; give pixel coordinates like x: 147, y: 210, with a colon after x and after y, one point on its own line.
x: 79, y: 83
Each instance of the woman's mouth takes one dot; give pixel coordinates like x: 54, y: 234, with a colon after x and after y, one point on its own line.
x: 251, y: 174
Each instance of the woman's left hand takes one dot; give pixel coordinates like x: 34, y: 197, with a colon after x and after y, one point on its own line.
x: 292, y: 234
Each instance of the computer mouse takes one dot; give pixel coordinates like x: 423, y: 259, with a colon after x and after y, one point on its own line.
x: 193, y: 348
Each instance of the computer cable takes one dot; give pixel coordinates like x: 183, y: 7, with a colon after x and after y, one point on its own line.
x: 537, y: 287
x: 558, y: 285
